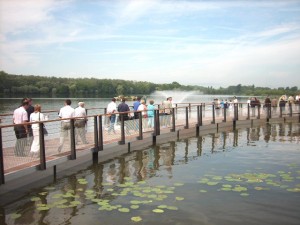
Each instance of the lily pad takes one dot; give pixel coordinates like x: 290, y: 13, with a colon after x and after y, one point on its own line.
x: 124, y: 210
x: 158, y: 210
x: 136, y: 218
x: 15, y: 215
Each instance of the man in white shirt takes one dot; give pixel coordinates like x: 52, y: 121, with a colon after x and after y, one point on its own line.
x: 65, y: 112
x: 80, y: 122
x: 112, y: 108
x: 20, y: 117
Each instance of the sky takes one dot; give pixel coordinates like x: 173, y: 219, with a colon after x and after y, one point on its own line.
x: 206, y: 43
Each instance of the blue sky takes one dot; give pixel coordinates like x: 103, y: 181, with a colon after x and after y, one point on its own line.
x: 208, y: 43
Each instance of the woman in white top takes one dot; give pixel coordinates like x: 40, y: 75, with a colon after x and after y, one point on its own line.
x: 143, y: 108
x: 36, y: 116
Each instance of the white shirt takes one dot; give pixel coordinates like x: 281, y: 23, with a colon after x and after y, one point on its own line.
x: 66, y: 112
x: 112, y: 107
x: 142, y: 107
x: 80, y: 112
x: 36, y: 116
x: 235, y: 100
x: 20, y: 115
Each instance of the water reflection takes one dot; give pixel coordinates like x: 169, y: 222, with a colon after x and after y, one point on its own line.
x: 145, y: 165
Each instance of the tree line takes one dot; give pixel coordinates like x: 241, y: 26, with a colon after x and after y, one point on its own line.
x: 30, y: 85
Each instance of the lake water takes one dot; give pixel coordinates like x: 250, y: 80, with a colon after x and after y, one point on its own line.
x: 8, y: 105
x: 249, y: 176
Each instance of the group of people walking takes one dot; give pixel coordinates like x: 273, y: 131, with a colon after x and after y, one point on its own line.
x: 140, y: 108
x: 29, y: 134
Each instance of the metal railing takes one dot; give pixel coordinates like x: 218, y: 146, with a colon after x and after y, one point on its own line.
x: 97, y: 131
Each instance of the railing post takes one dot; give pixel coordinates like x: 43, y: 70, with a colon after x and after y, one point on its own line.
x: 224, y: 120
x: 2, y: 178
x: 248, y: 111
x: 95, y: 150
x: 213, y: 114
x: 173, y: 121
x: 186, y: 118
x: 176, y: 108
x: 156, y: 123
x: 258, y: 112
x: 280, y: 110
x: 140, y: 137
x: 72, y: 137
x: 122, y: 141
x: 269, y: 111
x: 200, y: 115
x: 236, y: 111
x: 291, y: 109
x: 42, y: 147
x: 100, y: 134
x: 190, y: 107
x: 106, y: 119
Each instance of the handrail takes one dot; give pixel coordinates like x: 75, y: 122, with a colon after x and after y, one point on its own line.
x: 187, y: 119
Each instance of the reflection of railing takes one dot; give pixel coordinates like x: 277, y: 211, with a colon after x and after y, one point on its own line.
x: 98, y: 134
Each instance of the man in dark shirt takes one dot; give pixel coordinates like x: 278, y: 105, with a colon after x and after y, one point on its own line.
x: 123, y: 107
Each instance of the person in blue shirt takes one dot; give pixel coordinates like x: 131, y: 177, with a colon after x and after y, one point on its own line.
x: 150, y: 113
x: 136, y: 105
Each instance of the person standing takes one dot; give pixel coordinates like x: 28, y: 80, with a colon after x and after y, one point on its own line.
x: 36, y: 116
x: 150, y: 114
x: 143, y: 109
x: 123, y: 109
x: 111, y: 110
x: 80, y: 123
x: 20, y: 117
x: 274, y: 104
x: 65, y: 112
x: 167, y: 105
x: 136, y: 105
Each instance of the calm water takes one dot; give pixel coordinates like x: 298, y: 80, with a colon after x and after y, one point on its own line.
x: 8, y: 105
x: 250, y: 176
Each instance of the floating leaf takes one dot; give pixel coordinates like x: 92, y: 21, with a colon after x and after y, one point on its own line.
x: 34, y: 199
x: 162, y: 206
x: 172, y: 208
x: 134, y: 206
x: 203, y: 191
x: 15, y: 215
x: 178, y: 184
x: 293, y: 189
x: 226, y: 189
x: 43, y: 208
x: 244, y: 194
x: 158, y: 210
x: 179, y: 198
x: 124, y: 210
x: 75, y: 202
x: 136, y: 219
x: 212, y: 183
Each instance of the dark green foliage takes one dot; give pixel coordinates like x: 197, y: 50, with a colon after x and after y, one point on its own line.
x: 92, y: 87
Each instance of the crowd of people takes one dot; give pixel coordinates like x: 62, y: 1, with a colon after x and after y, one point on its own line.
x: 28, y: 135
x: 140, y: 109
